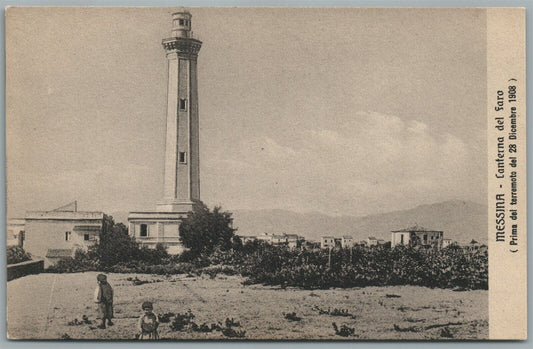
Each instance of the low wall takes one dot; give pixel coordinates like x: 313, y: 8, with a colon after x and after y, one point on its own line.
x: 24, y: 268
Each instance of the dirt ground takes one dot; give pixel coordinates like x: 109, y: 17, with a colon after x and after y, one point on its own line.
x: 41, y: 306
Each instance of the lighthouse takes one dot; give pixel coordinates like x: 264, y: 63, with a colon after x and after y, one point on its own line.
x: 182, y: 167
x: 181, y: 185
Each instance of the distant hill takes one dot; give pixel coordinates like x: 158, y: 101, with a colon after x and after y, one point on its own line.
x: 460, y: 220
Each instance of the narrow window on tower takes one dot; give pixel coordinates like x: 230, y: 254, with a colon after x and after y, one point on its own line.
x: 67, y: 236
x: 183, y: 104
x: 86, y: 237
x: 182, y: 21
x: 183, y: 157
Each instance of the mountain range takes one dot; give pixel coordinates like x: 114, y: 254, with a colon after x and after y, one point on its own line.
x: 460, y: 221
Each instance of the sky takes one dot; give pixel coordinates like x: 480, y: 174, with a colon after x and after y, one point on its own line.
x: 337, y: 111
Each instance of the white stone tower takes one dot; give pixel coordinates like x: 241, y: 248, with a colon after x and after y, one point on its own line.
x: 182, y: 168
x: 182, y: 160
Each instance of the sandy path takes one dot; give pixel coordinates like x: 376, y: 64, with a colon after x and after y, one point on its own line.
x: 35, y: 311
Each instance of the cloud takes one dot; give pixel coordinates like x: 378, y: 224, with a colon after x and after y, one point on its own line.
x: 371, y: 162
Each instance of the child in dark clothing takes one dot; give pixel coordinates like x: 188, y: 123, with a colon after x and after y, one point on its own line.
x: 103, y: 296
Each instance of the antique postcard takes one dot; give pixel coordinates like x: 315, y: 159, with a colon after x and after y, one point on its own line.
x: 266, y: 173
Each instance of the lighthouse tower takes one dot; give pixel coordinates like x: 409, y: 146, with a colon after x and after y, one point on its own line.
x: 182, y: 162
x: 182, y: 168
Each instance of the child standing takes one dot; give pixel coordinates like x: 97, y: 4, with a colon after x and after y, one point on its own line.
x: 148, y: 323
x: 103, y: 296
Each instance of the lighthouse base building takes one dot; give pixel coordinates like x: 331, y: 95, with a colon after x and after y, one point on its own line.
x: 182, y: 162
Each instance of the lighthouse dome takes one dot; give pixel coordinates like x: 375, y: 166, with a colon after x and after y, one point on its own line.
x: 181, y: 24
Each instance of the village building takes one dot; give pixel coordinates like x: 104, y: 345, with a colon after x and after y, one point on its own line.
x: 347, y: 242
x: 293, y: 240
x: 52, y: 235
x: 290, y: 240
x: 373, y: 241
x: 417, y: 236
x: 278, y: 239
x: 266, y: 237
x: 182, y: 148
x: 15, y: 232
x: 327, y: 242
x: 473, y: 246
x: 245, y: 238
x: 446, y: 242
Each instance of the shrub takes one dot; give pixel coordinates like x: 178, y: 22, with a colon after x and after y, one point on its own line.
x: 16, y: 254
x: 145, y: 268
x: 230, y: 332
x: 82, y: 261
x: 343, y: 331
x: 291, y: 316
x: 165, y: 318
x: 182, y: 321
x: 214, y: 270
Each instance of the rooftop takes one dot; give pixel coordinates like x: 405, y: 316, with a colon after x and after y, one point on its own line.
x: 58, y: 253
x: 64, y: 215
x: 415, y: 228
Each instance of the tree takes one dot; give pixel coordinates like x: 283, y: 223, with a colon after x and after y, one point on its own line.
x: 204, y: 230
x: 115, y: 244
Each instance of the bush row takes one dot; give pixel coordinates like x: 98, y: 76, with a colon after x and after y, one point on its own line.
x: 310, y: 269
x: 445, y: 268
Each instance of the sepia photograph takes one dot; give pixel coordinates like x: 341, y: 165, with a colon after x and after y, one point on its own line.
x: 240, y: 173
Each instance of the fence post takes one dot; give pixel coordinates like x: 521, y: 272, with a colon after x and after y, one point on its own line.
x: 329, y: 258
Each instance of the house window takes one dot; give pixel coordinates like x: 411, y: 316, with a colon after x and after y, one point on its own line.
x: 183, y: 104
x: 425, y: 237
x: 144, y: 230
x: 401, y: 239
x: 68, y: 236
x: 86, y: 237
x: 183, y: 157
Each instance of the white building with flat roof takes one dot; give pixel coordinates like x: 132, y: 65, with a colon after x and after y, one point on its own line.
x: 417, y: 236
x: 327, y: 242
x: 55, y: 234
